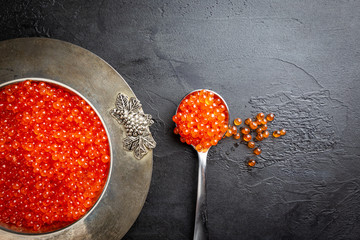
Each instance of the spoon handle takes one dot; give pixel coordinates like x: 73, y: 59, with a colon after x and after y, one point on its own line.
x: 200, y: 231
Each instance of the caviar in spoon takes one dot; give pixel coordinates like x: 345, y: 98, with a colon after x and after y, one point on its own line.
x: 201, y: 119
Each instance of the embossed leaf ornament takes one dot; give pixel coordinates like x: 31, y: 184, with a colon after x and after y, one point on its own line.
x: 128, y: 113
x: 139, y: 145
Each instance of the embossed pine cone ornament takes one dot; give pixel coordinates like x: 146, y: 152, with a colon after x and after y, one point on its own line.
x: 128, y: 113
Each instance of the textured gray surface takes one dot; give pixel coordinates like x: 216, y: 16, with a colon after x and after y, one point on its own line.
x: 299, y: 59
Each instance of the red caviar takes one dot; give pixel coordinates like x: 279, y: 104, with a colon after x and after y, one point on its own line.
x: 202, y: 119
x: 251, y: 162
x: 54, y: 156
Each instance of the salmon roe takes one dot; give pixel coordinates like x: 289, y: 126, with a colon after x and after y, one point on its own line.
x: 276, y: 133
x: 282, y: 132
x: 54, y: 156
x: 270, y: 117
x: 251, y: 162
x: 237, y: 136
x: 237, y: 121
x: 257, y: 128
x: 251, y: 144
x: 257, y: 151
x: 202, y: 119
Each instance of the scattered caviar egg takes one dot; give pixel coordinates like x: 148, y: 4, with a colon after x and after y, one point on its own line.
x: 282, y: 132
x: 257, y: 151
x: 53, y: 166
x: 251, y: 162
x: 245, y: 130
x: 248, y: 121
x: 253, y: 125
x: 237, y: 121
x: 270, y: 117
x: 266, y: 134
x: 259, y: 137
x: 260, y: 116
x: 276, y: 133
x: 229, y: 133
x: 259, y: 130
x: 247, y: 137
x: 202, y: 120
x: 251, y: 144
x: 264, y: 127
x: 237, y: 136
x: 234, y: 130
x: 263, y: 121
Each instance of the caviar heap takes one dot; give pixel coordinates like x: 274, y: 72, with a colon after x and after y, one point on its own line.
x: 201, y: 119
x: 54, y: 156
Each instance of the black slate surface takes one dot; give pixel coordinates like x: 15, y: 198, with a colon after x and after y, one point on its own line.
x: 298, y: 59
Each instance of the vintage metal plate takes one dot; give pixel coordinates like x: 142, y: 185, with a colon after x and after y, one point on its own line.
x: 100, y: 84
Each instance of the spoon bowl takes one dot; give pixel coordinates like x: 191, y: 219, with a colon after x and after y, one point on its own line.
x: 200, y: 229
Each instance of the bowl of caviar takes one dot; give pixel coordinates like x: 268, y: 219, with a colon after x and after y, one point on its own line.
x: 55, y: 156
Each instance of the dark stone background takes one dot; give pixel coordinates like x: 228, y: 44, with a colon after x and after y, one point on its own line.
x: 298, y: 59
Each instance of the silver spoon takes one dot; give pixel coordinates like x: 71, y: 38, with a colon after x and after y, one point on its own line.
x: 200, y: 230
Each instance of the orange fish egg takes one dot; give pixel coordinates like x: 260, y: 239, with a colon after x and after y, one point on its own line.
x: 251, y: 144
x: 257, y: 151
x: 282, y: 132
x: 237, y: 121
x: 260, y: 115
x: 253, y: 125
x: 247, y: 137
x: 270, y: 117
x: 276, y: 133
x: 248, y: 121
x: 251, y: 162
x: 245, y: 130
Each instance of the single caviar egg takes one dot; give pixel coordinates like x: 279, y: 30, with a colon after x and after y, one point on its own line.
x: 259, y: 130
x: 229, y: 133
x: 245, y: 130
x: 276, y: 133
x: 260, y: 115
x: 202, y: 120
x: 214, y: 141
x: 247, y: 137
x: 234, y: 130
x: 282, y: 132
x: 248, y: 121
x: 258, y: 121
x: 251, y: 144
x: 266, y: 134
x: 199, y: 147
x: 224, y: 127
x: 237, y: 121
x: 253, y: 125
x: 176, y: 130
x: 270, y: 117
x: 257, y: 151
x: 237, y: 136
x: 251, y: 162
x: 259, y: 137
